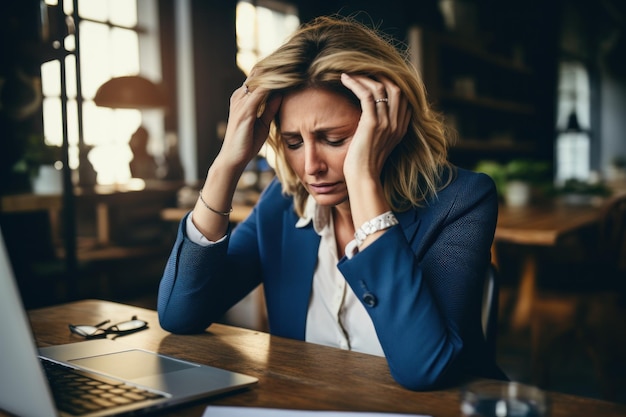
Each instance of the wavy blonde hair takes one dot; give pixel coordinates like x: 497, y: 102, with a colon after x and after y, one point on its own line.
x: 315, y: 57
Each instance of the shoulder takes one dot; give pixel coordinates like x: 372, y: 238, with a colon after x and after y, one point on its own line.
x: 273, y: 195
x: 463, y: 191
x: 273, y: 201
x: 461, y: 183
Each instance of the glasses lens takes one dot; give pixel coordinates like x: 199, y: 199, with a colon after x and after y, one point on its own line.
x: 132, y: 325
x: 87, y: 331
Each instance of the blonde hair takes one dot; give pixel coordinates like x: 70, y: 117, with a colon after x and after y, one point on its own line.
x: 315, y: 57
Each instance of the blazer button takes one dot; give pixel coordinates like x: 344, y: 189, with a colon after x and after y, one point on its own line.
x: 369, y: 299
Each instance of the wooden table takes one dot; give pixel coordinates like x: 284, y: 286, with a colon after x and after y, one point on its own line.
x: 534, y: 227
x: 292, y: 374
x: 543, y: 225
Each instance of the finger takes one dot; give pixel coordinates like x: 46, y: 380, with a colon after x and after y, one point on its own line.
x: 363, y: 92
x: 399, y: 108
x: 269, y: 112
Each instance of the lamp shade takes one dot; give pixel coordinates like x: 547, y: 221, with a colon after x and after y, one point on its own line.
x: 130, y: 92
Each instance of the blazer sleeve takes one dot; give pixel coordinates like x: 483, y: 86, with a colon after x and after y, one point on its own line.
x: 199, y: 284
x: 423, y: 292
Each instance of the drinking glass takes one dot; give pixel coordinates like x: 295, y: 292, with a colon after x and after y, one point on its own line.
x: 503, y: 399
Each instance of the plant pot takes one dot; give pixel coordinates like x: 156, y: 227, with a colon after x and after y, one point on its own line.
x: 517, y: 194
x: 49, y: 180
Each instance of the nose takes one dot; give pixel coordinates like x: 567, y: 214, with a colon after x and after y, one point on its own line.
x: 313, y: 159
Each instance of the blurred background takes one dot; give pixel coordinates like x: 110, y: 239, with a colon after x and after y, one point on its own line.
x: 111, y: 112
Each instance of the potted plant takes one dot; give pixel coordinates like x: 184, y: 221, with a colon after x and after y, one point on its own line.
x: 617, y: 168
x: 518, y: 179
x: 578, y: 192
x: 42, y: 163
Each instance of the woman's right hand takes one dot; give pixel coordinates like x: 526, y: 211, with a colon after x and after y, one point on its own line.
x: 245, y: 134
x: 247, y: 130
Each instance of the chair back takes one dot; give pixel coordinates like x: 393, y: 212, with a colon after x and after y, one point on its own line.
x: 489, y: 317
x: 613, y: 232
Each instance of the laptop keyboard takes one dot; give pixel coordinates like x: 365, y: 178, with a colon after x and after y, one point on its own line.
x: 78, y: 392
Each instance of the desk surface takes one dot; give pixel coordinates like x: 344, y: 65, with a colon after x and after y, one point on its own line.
x: 543, y: 225
x: 292, y: 374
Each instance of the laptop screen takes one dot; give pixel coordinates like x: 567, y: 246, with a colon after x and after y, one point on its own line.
x: 24, y: 390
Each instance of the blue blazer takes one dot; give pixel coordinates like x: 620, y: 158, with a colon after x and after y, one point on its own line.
x: 421, y: 281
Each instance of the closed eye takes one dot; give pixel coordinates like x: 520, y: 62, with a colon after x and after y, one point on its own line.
x: 335, y: 142
x: 292, y: 141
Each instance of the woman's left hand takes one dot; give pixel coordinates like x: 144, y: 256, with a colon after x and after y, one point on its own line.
x: 384, y: 121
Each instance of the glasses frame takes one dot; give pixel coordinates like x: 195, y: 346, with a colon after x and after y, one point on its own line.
x: 122, y: 328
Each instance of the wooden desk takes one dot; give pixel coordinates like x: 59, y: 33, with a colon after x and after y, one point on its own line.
x: 543, y: 225
x: 138, y: 198
x: 292, y: 374
x: 538, y: 226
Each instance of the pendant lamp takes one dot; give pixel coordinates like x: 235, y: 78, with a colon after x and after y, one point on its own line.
x: 130, y: 92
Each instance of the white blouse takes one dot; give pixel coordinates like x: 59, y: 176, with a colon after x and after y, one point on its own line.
x: 335, y: 317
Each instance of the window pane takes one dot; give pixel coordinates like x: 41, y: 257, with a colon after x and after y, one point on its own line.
x: 96, y: 10
x: 573, y: 147
x: 111, y: 156
x: 261, y: 29
x: 51, y: 79
x: 95, y: 57
x: 123, y: 12
x: 70, y: 76
x: 573, y: 153
x: 246, y: 26
x: 124, y: 52
x: 52, y: 121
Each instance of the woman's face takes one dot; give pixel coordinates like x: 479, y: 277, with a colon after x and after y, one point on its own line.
x: 316, y: 127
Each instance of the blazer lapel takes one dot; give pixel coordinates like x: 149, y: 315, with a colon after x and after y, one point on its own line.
x: 300, y: 251
x: 410, y: 222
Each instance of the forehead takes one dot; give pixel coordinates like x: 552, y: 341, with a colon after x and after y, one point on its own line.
x: 316, y: 106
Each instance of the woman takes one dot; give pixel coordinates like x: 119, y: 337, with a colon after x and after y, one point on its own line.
x: 369, y: 239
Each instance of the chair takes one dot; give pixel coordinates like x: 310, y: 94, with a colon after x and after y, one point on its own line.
x: 580, y: 303
x: 490, y: 308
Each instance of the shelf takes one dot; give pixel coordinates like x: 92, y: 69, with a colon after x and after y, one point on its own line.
x: 489, y: 103
x: 498, y: 102
x: 467, y: 48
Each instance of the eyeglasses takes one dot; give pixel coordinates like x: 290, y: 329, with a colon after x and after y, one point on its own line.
x: 120, y: 329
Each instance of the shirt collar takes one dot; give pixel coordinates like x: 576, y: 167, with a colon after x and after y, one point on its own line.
x: 320, y: 216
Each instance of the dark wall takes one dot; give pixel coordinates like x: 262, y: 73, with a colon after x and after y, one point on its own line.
x: 22, y: 50
x: 216, y: 72
x: 391, y: 16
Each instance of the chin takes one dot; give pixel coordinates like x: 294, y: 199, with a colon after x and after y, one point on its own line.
x: 330, y: 200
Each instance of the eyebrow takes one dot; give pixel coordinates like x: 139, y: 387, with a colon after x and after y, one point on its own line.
x: 316, y: 132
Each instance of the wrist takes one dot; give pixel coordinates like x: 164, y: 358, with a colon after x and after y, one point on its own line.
x: 379, y: 223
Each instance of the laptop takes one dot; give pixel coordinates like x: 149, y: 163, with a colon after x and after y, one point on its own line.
x: 154, y: 380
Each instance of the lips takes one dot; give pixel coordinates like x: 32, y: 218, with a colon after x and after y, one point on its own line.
x: 323, y: 188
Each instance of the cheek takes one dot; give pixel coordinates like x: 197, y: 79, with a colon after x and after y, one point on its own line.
x: 295, y: 162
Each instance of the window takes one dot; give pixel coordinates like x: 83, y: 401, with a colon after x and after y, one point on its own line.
x: 262, y: 26
x: 114, y: 41
x: 573, y: 123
